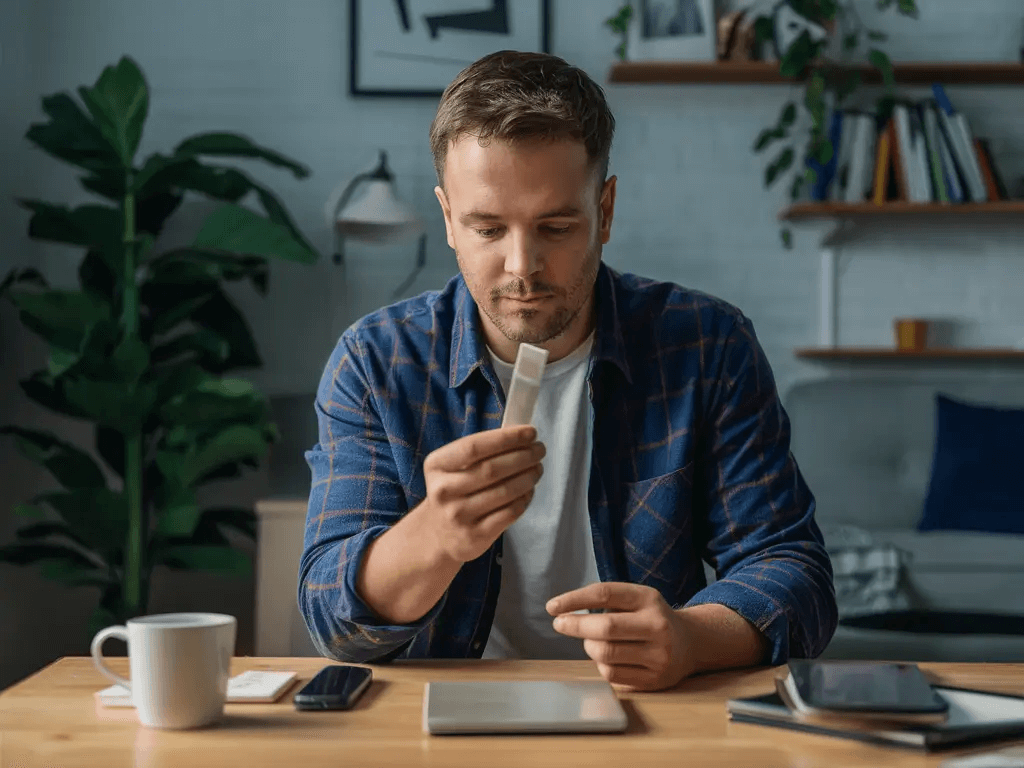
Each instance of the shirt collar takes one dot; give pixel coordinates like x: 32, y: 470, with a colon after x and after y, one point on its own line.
x: 469, y: 353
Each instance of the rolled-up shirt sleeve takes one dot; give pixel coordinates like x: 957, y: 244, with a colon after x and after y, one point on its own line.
x: 762, y: 539
x: 355, y: 496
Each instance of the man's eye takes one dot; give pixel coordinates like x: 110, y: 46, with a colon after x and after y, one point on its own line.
x: 557, y: 230
x: 487, y: 232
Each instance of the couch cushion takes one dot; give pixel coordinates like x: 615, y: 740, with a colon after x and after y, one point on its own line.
x: 865, y: 445
x: 976, y: 483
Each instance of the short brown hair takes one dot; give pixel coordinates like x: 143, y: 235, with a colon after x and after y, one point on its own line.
x: 516, y: 96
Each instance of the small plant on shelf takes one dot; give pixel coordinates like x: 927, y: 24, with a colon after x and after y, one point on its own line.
x: 822, y: 45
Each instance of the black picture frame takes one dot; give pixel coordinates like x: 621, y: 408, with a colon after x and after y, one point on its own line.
x: 433, y: 72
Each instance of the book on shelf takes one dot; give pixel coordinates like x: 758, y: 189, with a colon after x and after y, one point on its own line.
x: 924, y: 152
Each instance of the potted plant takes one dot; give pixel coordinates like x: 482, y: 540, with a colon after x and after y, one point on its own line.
x: 142, y: 350
x: 818, y: 43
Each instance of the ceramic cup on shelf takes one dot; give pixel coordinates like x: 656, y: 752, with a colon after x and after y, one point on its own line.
x: 911, y: 334
x: 179, y: 665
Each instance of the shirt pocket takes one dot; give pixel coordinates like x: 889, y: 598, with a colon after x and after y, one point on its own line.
x: 658, y: 533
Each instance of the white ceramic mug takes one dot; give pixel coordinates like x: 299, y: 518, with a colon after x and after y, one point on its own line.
x: 180, y: 664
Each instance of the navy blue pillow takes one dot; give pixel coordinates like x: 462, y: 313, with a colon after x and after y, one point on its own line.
x: 977, y: 481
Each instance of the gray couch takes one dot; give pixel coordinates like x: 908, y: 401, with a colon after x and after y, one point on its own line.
x: 865, y: 448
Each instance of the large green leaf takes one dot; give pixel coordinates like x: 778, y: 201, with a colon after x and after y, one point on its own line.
x: 190, y: 264
x: 220, y: 315
x: 99, y: 516
x: 163, y: 172
x: 204, y: 346
x: 236, y: 145
x: 237, y: 229
x: 63, y: 318
x: 213, y: 559
x: 216, y: 400
x: 165, y: 321
x: 28, y: 275
x: 115, y: 404
x: 92, y: 226
x: 96, y: 276
x: 119, y: 102
x: 72, y: 467
x: 241, y: 519
x: 178, y: 514
x: 233, y: 443
x: 48, y: 392
x: 72, y: 136
x: 45, y: 530
x: 177, y: 379
x: 29, y: 552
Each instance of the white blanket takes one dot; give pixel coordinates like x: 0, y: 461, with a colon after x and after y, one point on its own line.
x: 868, y: 576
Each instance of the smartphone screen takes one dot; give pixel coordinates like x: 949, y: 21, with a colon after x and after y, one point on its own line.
x: 866, y: 686
x: 335, y: 687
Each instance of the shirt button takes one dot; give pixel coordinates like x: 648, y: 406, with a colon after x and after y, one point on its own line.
x: 476, y: 646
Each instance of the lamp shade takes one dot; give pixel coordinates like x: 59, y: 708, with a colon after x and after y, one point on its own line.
x: 378, y: 215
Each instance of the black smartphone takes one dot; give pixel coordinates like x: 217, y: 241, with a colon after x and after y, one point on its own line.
x: 865, y: 686
x: 338, y: 686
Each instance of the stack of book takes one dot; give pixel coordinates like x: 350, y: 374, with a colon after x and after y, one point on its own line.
x: 924, y: 152
x: 857, y: 710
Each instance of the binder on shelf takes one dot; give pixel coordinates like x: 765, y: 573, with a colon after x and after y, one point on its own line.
x: 847, y: 135
x: 993, y: 183
x: 935, y: 166
x: 958, y: 133
x: 882, y: 162
x: 862, y: 155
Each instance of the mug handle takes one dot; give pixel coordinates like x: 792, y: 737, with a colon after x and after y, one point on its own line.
x: 97, y: 652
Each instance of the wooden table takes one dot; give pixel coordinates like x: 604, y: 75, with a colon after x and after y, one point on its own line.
x: 51, y: 719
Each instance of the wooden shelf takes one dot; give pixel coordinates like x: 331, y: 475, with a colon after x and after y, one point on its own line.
x: 830, y: 210
x: 909, y: 73
x: 884, y: 354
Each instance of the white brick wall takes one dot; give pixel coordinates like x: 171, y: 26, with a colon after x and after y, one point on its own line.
x: 691, y: 207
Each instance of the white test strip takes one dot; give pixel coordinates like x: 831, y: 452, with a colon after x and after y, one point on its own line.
x: 522, y: 392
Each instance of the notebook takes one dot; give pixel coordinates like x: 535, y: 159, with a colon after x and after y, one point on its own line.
x: 973, y: 716
x: 522, y: 706
x: 255, y: 686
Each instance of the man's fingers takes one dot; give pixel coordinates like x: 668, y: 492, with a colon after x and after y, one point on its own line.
x: 472, y: 449
x: 607, y: 595
x: 496, y: 522
x: 632, y: 677
x: 483, y: 503
x: 604, y: 626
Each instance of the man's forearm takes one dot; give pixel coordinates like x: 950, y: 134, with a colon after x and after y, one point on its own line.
x: 722, y: 639
x: 399, y: 578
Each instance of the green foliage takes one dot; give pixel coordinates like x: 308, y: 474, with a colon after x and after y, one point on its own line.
x: 142, y: 350
x: 619, y: 24
x: 824, y: 81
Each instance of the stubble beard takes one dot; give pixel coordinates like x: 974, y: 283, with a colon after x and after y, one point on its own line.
x: 560, y: 320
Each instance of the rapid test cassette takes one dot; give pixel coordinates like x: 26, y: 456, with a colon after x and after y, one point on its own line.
x: 522, y: 392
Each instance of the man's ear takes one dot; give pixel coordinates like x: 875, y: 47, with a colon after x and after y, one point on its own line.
x: 607, y: 209
x: 447, y: 211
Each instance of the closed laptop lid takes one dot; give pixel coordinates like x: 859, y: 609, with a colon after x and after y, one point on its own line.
x: 522, y: 706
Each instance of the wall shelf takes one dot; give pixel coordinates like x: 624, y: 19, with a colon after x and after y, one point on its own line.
x: 909, y: 73
x: 886, y: 354
x: 809, y: 211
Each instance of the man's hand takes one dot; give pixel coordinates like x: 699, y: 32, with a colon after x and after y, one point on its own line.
x: 477, y: 486
x: 639, y: 642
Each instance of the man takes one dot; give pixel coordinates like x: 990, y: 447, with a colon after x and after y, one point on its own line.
x: 659, y: 439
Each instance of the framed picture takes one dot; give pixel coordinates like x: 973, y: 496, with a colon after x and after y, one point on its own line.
x: 417, y: 47
x: 672, y: 30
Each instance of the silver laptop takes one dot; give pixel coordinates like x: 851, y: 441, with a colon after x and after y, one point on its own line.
x: 522, y: 706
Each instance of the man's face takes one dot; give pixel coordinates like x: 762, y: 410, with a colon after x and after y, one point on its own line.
x: 527, y: 226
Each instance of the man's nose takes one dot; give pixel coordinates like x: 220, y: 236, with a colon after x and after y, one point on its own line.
x: 522, y: 258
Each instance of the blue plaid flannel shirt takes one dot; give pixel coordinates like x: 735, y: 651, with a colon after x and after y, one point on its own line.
x: 690, y: 462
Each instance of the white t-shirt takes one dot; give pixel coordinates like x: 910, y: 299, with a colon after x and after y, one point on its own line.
x: 550, y: 549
